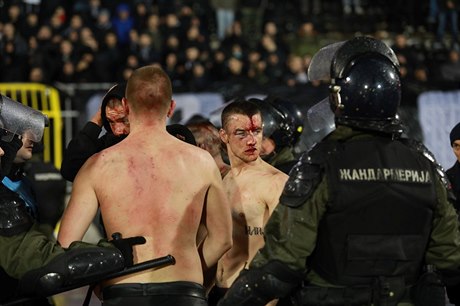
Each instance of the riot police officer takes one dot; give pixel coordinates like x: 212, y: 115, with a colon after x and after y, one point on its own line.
x: 365, y: 217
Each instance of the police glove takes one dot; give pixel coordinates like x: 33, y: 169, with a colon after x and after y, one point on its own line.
x: 125, y: 245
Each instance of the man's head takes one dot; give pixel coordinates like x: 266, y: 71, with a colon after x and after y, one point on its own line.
x: 206, y: 136
x: 149, y: 93
x: 455, y: 140
x: 114, y: 114
x: 181, y: 132
x: 364, y: 80
x: 242, y: 130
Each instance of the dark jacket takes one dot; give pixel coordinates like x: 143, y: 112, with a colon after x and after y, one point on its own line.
x: 87, y: 142
x: 453, y: 174
x: 83, y: 146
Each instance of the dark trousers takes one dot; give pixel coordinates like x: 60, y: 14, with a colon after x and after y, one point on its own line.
x: 215, y: 295
x: 171, y: 293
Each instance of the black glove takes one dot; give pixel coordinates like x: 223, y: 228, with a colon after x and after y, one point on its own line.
x: 125, y: 245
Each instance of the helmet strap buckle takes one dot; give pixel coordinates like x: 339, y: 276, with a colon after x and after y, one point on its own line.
x: 335, y: 98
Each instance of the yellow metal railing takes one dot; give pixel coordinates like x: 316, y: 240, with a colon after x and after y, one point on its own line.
x: 47, y: 100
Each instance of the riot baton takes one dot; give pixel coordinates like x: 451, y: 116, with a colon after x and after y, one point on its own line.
x: 149, y: 264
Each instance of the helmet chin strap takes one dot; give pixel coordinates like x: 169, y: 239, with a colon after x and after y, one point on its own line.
x: 336, y: 100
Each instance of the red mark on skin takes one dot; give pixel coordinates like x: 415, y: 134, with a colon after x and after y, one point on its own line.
x: 135, y: 175
x: 252, y: 124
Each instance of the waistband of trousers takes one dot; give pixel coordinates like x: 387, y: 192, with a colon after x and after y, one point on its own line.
x: 182, y: 288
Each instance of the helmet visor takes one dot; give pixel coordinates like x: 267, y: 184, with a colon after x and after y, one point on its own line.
x: 320, y: 65
x: 318, y: 123
x: 19, y: 119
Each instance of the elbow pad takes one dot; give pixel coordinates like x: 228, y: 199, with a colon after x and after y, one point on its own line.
x: 72, y: 269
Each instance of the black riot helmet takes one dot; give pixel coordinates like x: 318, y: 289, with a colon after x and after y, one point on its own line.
x: 364, y: 79
x: 279, y: 121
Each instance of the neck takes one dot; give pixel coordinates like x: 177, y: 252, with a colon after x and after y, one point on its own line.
x: 145, y: 124
x: 238, y: 164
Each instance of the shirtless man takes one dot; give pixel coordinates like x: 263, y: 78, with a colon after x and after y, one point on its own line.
x: 155, y: 185
x: 253, y: 187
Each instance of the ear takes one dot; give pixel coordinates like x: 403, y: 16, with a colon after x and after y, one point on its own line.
x: 223, y: 136
x: 172, y: 106
x: 125, y: 104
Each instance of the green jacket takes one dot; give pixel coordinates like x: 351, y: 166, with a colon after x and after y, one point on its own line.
x: 30, y: 250
x: 291, y: 233
x: 284, y: 156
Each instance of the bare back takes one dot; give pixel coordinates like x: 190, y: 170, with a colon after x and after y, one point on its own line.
x: 253, y: 194
x: 156, y: 187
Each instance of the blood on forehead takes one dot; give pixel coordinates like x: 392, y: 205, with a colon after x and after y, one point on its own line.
x: 255, y: 123
x: 245, y: 122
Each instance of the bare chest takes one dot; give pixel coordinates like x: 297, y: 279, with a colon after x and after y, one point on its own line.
x: 247, y: 202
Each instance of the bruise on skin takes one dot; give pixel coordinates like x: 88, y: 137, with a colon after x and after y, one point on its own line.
x: 134, y: 173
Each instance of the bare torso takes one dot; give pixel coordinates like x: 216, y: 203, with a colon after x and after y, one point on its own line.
x: 253, y: 193
x: 149, y: 195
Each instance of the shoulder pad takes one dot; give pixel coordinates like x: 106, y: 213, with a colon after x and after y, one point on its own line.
x: 14, y: 218
x: 422, y: 149
x: 306, y: 175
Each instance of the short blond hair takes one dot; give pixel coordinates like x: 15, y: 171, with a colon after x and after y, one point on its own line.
x: 149, y: 88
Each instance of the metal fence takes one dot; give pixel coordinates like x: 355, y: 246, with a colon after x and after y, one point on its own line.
x: 47, y: 100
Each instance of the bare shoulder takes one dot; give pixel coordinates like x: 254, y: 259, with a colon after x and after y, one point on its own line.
x: 198, y: 153
x: 103, y: 161
x: 274, y: 173
x: 197, y: 158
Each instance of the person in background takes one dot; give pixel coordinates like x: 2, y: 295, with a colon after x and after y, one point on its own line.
x: 365, y: 217
x: 113, y: 117
x: 225, y: 11
x: 447, y: 15
x: 453, y: 173
x: 207, y: 137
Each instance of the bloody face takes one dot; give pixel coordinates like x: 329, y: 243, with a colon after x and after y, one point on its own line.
x: 118, y: 119
x: 244, y: 136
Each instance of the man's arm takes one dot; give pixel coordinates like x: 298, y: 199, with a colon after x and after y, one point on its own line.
x: 218, y: 222
x: 81, y: 209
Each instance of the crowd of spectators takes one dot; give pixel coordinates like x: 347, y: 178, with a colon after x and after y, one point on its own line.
x: 267, y: 45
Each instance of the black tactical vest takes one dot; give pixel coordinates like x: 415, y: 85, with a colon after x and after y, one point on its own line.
x: 378, y: 220
x: 14, y: 218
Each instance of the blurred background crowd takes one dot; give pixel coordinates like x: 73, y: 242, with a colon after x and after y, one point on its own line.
x: 228, y: 47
